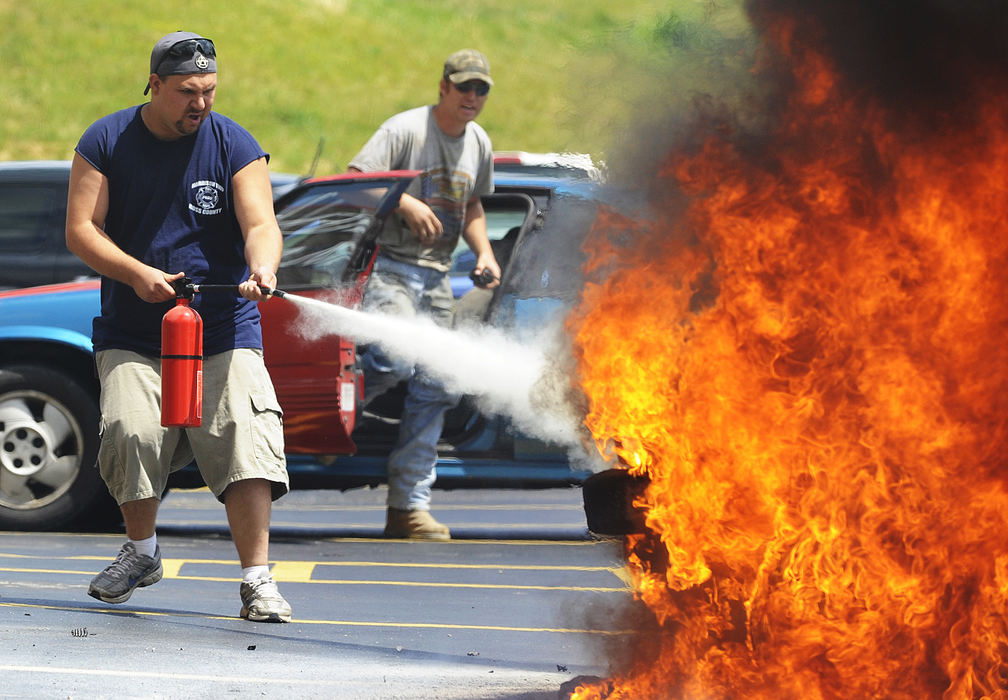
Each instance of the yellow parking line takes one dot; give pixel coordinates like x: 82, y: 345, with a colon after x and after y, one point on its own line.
x: 171, y: 567
x: 444, y: 626
x: 466, y: 543
x: 498, y: 567
x: 281, y: 506
x: 300, y: 571
x: 500, y: 531
x: 345, y: 540
x: 300, y: 566
x: 14, y: 570
x: 511, y: 508
x: 449, y: 584
x: 623, y: 574
x: 172, y: 573
x: 295, y: 574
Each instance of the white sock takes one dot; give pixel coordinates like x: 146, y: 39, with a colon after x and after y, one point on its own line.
x: 146, y: 547
x: 254, y: 573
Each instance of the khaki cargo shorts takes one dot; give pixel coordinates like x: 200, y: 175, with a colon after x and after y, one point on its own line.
x: 241, y: 436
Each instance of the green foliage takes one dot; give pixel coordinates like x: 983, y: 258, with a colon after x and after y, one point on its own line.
x: 571, y: 75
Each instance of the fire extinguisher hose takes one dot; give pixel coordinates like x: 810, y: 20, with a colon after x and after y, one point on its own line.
x: 233, y: 288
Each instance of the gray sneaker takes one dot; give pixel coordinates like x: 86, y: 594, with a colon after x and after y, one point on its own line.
x: 128, y: 572
x: 262, y: 602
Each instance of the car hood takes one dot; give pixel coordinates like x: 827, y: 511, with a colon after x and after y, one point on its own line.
x: 61, y: 312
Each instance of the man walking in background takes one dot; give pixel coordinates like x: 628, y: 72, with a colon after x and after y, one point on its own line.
x: 410, y: 275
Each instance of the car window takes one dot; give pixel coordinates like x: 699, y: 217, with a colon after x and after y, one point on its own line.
x: 320, y: 228
x: 505, y: 214
x: 547, y: 261
x: 318, y: 253
x: 25, y: 213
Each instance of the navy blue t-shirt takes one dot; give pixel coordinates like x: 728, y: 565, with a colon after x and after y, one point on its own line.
x: 172, y: 207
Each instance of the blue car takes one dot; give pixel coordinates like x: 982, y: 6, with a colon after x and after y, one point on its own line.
x: 49, y: 392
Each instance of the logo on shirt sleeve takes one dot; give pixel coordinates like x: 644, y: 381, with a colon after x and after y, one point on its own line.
x: 206, y: 196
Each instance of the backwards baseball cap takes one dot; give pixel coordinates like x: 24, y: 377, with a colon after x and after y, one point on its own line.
x: 182, y: 53
x: 467, y: 64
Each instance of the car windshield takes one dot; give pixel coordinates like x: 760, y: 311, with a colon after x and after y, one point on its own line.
x: 321, y: 226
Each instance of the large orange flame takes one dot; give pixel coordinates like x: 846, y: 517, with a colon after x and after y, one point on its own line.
x: 810, y: 361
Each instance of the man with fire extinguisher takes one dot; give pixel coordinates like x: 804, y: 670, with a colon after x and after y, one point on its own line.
x: 160, y: 191
x: 410, y: 274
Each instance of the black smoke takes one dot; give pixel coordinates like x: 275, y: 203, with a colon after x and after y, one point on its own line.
x: 933, y: 62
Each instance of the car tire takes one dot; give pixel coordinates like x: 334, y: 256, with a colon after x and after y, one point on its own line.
x: 609, y: 498
x: 49, y: 478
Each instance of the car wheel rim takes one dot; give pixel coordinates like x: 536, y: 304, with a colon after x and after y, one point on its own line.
x: 40, y: 450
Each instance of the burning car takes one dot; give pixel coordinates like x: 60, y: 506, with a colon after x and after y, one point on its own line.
x: 823, y: 433
x: 49, y: 392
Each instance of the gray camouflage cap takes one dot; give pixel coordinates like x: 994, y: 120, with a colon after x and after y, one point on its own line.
x: 467, y: 64
x: 182, y: 53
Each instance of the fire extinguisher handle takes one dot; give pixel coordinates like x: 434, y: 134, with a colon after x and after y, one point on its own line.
x: 184, y: 288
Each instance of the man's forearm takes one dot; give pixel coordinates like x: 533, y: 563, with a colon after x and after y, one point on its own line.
x: 263, y: 248
x: 94, y: 247
x: 474, y: 231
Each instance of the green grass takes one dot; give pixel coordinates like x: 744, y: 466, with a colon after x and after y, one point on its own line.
x: 570, y: 75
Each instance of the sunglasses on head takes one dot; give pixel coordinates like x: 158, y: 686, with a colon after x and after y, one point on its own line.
x: 479, y: 86
x: 187, y: 47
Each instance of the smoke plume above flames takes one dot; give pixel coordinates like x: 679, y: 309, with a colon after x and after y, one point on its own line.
x: 806, y: 353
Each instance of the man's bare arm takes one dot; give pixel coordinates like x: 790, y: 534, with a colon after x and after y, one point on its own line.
x: 475, y: 234
x: 253, y: 197
x: 87, y: 207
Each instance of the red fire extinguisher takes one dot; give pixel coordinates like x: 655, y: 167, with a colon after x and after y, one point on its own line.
x: 182, y: 363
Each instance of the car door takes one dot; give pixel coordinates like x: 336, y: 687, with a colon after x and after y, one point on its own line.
x: 541, y: 281
x: 329, y: 226
x: 466, y: 432
x: 536, y: 233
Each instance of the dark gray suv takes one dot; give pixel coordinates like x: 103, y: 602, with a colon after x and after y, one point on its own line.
x: 33, y: 196
x: 33, y: 251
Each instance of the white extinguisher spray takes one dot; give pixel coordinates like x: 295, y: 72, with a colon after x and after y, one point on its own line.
x: 182, y: 362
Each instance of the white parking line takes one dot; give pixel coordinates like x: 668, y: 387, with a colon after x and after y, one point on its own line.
x: 133, y: 673
x: 335, y: 623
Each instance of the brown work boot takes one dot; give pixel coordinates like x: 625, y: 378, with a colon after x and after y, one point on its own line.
x: 414, y: 525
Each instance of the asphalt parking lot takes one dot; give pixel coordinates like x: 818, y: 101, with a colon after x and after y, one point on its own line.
x: 522, y: 600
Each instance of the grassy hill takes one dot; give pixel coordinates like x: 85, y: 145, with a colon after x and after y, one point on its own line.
x: 571, y: 75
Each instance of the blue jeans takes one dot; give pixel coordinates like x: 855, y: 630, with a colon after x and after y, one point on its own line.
x: 398, y: 288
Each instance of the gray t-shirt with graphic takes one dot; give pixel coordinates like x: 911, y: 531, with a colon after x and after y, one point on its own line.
x: 453, y: 171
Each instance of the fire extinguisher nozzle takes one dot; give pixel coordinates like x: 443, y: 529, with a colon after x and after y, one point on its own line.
x: 279, y: 293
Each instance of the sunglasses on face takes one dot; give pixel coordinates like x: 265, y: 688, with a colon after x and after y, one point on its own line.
x: 468, y: 86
